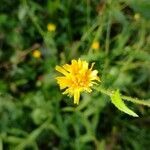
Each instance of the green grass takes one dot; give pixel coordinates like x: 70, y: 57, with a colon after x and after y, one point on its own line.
x: 33, y: 112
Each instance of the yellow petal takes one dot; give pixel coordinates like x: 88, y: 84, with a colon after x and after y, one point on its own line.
x: 61, y: 70
x: 79, y: 62
x: 63, y: 82
x: 85, y: 65
x: 69, y: 92
x: 76, y: 96
x: 92, y: 66
x: 67, y: 67
x: 66, y: 91
x: 94, y: 76
x: 88, y: 90
x: 75, y: 66
x: 74, y: 62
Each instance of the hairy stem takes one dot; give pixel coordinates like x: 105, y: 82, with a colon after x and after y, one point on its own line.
x: 128, y: 98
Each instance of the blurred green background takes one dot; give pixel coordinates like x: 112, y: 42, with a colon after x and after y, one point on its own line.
x: 37, y: 35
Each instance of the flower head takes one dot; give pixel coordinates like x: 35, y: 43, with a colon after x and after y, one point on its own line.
x: 78, y: 77
x: 51, y: 27
x: 137, y: 16
x: 95, y: 45
x: 36, y: 53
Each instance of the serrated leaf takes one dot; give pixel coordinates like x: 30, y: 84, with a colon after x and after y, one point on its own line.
x: 119, y: 103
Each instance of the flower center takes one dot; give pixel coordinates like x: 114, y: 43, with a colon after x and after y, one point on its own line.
x: 80, y: 81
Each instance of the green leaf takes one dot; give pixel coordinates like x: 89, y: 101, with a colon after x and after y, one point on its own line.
x: 119, y: 103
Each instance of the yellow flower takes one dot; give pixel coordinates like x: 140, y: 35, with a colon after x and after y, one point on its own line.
x: 78, y: 77
x: 95, y: 45
x: 51, y: 27
x: 36, y: 53
x: 137, y: 16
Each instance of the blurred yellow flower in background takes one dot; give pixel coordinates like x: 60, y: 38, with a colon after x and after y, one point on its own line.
x: 137, y: 16
x: 51, y: 27
x: 95, y: 45
x: 36, y: 53
x: 78, y: 77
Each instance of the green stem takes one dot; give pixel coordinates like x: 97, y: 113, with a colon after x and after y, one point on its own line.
x: 108, y: 34
x: 1, y: 144
x: 33, y: 135
x: 33, y: 18
x: 131, y: 99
